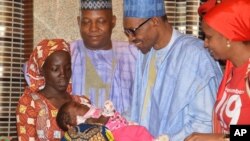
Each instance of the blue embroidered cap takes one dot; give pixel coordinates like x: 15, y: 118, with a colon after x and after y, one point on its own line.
x: 95, y: 4
x: 143, y: 8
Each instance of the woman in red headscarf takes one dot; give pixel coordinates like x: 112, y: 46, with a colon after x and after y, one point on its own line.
x: 227, y: 31
x: 49, y: 69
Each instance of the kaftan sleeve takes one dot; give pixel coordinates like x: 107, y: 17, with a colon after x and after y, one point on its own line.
x: 198, y: 114
x: 204, y: 77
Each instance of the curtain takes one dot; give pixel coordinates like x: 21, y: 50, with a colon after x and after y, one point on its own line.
x: 183, y: 16
x: 16, y: 43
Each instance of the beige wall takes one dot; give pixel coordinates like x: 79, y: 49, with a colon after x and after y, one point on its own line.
x: 58, y: 19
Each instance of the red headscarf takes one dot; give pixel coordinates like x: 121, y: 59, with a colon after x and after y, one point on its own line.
x: 37, y: 58
x: 204, y: 8
x: 231, y: 18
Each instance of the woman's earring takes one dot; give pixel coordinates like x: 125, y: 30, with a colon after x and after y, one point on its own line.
x: 228, y: 44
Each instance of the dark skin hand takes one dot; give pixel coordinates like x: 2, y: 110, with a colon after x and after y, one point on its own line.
x: 205, y: 137
x: 101, y: 120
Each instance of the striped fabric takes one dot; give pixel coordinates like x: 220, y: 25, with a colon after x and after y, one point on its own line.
x: 120, y: 79
x: 143, y: 8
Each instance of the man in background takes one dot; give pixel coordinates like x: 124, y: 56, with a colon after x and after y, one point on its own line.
x: 102, y: 69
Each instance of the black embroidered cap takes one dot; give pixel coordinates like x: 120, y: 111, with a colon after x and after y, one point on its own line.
x: 95, y: 4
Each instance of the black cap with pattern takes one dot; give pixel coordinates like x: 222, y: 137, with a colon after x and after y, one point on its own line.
x: 96, y: 4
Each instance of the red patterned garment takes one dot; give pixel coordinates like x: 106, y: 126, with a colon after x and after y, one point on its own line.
x: 36, y: 115
x: 234, y: 102
x: 33, y: 111
x: 42, y: 51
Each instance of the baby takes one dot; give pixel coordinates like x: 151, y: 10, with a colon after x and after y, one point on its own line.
x: 73, y: 113
x: 75, y: 118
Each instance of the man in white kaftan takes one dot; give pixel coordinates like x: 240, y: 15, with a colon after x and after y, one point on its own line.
x: 176, y: 78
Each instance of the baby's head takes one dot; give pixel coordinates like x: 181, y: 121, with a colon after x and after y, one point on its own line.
x: 67, y: 114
